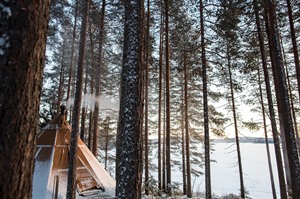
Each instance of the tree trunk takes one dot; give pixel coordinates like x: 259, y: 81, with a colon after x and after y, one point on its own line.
x: 266, y: 136
x: 291, y: 99
x: 98, y: 81
x: 90, y: 135
x: 159, y: 100
x: 61, y: 78
x: 71, y: 186
x: 294, y: 43
x: 72, y: 54
x: 147, y: 40
x: 168, y: 128
x: 187, y: 133
x: 242, y: 188
x: 164, y: 147
x: 183, y: 140
x: 129, y: 138
x: 293, y: 110
x: 83, y: 110
x: 205, y: 107
x: 281, y: 118
x: 283, y: 100
x: 106, y: 129
x: 22, y: 56
x: 283, y: 193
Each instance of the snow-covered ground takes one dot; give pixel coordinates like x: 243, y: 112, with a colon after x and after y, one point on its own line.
x: 225, y: 175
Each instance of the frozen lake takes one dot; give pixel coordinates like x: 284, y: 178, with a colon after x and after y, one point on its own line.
x: 225, y: 175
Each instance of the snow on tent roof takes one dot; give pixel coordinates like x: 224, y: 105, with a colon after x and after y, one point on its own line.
x: 51, y: 159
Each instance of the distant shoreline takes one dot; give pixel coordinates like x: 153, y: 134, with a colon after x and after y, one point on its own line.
x: 254, y: 140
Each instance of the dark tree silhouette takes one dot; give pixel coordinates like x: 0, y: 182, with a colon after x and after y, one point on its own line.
x: 280, y: 171
x: 294, y: 43
x: 283, y: 98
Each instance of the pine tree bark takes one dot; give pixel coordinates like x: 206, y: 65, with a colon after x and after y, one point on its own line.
x: 83, y: 110
x: 293, y: 109
x: 129, y: 137
x: 283, y: 100
x: 280, y: 116
x: 147, y: 40
x: 183, y: 140
x: 23, y: 34
x: 282, y: 185
x: 291, y: 98
x: 205, y: 107
x: 72, y: 54
x: 294, y: 43
x: 187, y: 133
x: 90, y: 137
x: 164, y: 180
x: 71, y: 186
x: 106, y: 129
x: 160, y: 101
x: 168, y: 119
x: 61, y: 78
x: 98, y: 81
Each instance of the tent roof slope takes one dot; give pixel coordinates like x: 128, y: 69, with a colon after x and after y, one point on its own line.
x: 51, y: 160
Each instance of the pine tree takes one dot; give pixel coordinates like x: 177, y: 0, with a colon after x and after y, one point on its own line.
x: 205, y: 107
x: 294, y: 43
x: 57, y: 62
x: 72, y: 51
x: 227, y: 24
x: 146, y: 98
x: 187, y: 133
x: 184, y: 184
x: 23, y: 34
x: 279, y: 162
x: 98, y: 80
x: 71, y: 186
x: 168, y: 119
x: 160, y: 100
x: 266, y: 135
x: 129, y: 138
x: 282, y: 98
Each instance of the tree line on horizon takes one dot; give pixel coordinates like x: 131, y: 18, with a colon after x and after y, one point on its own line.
x: 181, y: 70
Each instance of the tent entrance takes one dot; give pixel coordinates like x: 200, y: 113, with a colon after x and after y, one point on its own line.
x: 85, y: 180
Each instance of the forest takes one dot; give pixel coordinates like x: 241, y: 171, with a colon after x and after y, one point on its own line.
x: 141, y: 76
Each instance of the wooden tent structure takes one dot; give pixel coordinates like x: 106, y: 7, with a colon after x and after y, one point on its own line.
x: 51, y: 165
